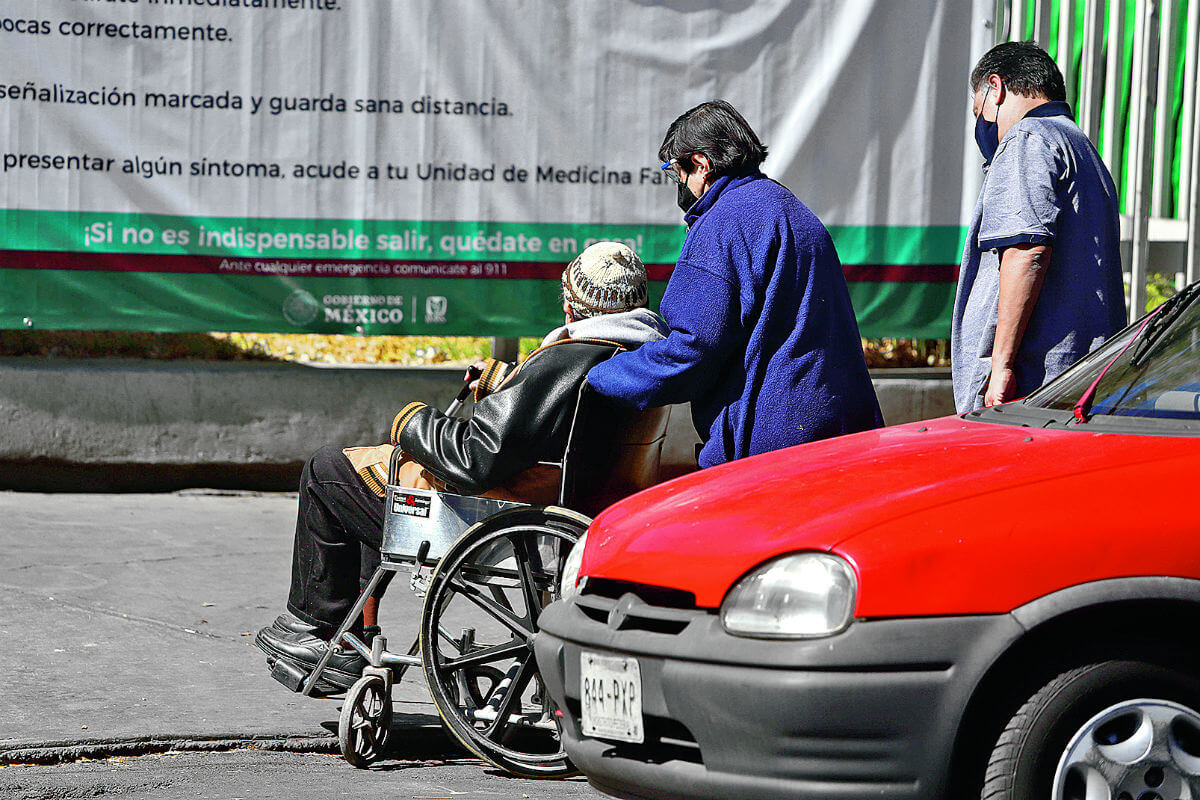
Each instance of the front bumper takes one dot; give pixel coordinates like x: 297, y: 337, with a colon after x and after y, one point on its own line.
x: 871, y: 712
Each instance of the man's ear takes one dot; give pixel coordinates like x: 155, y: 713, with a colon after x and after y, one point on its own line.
x: 702, y: 162
x: 999, y: 90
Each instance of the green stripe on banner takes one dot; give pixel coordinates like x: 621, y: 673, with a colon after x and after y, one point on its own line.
x: 899, y: 244
x: 72, y: 231
x: 903, y: 310
x: 80, y: 300
x: 160, y: 297
x: 86, y: 231
x: 83, y: 300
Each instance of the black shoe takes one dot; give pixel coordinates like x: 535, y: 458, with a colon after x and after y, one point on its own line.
x: 290, y: 624
x: 305, y: 651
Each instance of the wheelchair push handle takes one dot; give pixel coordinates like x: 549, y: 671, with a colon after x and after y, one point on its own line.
x: 473, y: 373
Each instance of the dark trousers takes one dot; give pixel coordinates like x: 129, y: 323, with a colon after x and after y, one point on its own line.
x: 339, y: 530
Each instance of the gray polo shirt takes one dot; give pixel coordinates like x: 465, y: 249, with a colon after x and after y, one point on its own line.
x: 1046, y: 184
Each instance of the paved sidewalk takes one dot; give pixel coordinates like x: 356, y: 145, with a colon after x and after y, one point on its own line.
x: 127, y: 625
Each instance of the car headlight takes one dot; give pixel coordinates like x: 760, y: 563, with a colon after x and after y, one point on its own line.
x: 570, y: 570
x: 796, y: 596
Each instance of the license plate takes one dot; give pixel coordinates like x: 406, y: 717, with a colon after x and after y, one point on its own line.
x: 610, y: 688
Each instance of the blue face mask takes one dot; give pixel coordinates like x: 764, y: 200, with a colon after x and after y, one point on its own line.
x: 987, y: 134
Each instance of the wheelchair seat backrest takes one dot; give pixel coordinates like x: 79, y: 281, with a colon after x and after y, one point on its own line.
x: 612, y: 452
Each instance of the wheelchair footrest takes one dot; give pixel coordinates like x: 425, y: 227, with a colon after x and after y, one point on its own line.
x: 289, y: 675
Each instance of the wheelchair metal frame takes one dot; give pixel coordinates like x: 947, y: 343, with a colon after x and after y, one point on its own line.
x: 411, y: 544
x: 421, y: 527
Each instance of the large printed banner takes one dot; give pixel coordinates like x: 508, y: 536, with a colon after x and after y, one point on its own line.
x: 429, y: 166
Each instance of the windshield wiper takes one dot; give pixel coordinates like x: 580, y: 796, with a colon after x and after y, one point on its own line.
x: 1166, y: 314
x: 1083, y: 408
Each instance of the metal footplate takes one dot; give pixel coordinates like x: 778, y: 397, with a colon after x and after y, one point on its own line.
x: 289, y: 674
x: 381, y: 662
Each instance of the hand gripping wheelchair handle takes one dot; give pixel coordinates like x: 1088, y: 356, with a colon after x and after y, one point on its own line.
x: 473, y: 372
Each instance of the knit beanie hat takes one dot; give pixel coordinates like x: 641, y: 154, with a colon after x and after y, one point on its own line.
x: 606, y: 278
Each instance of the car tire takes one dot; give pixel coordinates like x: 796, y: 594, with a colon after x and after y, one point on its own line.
x: 1139, y: 720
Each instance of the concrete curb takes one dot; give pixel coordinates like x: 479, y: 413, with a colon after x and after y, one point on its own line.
x: 63, y: 752
x: 426, y: 740
x: 129, y: 424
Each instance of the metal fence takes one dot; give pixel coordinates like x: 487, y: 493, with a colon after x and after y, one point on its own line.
x: 1131, y: 72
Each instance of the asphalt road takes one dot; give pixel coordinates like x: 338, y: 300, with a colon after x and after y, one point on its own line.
x: 254, y: 774
x: 126, y: 630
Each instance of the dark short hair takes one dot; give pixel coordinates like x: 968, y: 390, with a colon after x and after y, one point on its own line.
x: 718, y: 131
x: 1025, y: 69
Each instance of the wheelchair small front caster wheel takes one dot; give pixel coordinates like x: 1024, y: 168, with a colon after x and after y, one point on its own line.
x: 365, y: 722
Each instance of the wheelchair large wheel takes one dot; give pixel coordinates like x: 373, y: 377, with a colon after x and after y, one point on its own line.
x: 477, y: 630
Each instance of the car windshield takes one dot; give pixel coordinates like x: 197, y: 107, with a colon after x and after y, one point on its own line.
x: 1156, y: 376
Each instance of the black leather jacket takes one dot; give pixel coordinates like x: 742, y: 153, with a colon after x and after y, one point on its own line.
x: 525, y: 421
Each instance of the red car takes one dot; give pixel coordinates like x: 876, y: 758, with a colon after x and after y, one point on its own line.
x: 1002, y: 604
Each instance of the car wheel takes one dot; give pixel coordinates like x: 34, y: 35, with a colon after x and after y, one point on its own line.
x: 1117, y: 730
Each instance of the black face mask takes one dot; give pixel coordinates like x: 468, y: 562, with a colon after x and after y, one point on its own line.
x: 987, y: 134
x: 685, y: 198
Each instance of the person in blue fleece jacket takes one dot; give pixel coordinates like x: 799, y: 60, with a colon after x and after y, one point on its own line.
x: 763, y: 341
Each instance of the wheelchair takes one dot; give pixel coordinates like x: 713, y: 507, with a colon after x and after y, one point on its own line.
x: 486, y: 568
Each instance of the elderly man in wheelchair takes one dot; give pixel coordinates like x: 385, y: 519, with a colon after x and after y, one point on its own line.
x: 482, y: 512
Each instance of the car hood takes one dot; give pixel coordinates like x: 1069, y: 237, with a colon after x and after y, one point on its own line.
x: 945, y: 516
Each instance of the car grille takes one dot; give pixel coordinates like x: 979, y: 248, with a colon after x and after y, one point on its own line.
x: 627, y: 606
x: 653, y: 595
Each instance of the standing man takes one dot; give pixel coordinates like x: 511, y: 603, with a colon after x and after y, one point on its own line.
x: 1040, y: 284
x: 763, y: 341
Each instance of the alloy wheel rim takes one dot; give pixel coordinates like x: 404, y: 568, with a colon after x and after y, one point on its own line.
x: 1143, y: 749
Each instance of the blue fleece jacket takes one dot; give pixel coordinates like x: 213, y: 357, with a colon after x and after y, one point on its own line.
x: 763, y: 338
